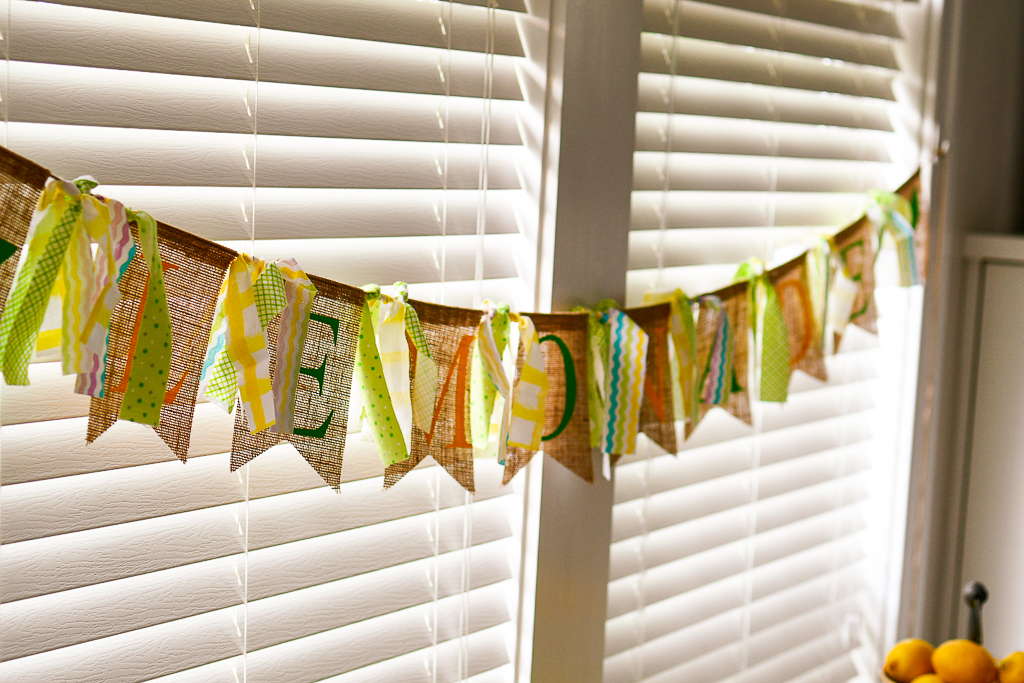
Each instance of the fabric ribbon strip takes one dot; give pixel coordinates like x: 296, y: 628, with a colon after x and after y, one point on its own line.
x: 598, y: 339
x: 55, y: 220
x: 483, y: 387
x: 115, y: 254
x: 378, y: 409
x: 424, y: 388
x: 394, y: 357
x: 683, y: 330
x: 717, y: 377
x: 492, y: 381
x: 151, y: 361
x: 767, y: 314
x: 894, y: 214
x: 237, y: 358
x: 529, y: 402
x: 624, y: 381
x: 299, y: 293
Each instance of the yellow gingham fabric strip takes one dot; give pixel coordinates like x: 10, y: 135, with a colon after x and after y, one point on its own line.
x: 244, y: 344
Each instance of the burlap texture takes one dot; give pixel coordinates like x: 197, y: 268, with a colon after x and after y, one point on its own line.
x: 736, y: 305
x: 194, y: 269
x: 450, y: 332
x: 335, y: 354
x: 806, y: 346
x: 571, y: 447
x: 855, y: 250
x: 21, y: 183
x: 657, y: 417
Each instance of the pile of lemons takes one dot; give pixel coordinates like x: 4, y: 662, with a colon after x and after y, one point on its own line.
x: 955, y: 661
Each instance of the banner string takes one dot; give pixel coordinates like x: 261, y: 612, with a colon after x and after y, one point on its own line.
x: 5, y: 45
x: 669, y: 98
x: 254, y: 59
x: 444, y: 72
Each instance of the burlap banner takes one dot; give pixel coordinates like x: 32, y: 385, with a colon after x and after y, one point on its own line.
x: 323, y: 391
x: 723, y: 362
x: 657, y: 415
x: 854, y: 248
x: 193, y: 270
x: 21, y: 184
x: 566, y: 437
x: 806, y: 347
x: 450, y: 333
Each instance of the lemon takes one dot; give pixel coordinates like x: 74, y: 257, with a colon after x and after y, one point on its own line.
x: 1011, y: 669
x: 963, y: 661
x: 908, y: 660
x: 928, y: 678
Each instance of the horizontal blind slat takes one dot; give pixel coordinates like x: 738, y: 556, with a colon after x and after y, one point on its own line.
x: 706, y: 59
x: 387, y: 21
x: 706, y: 97
x: 193, y: 158
x: 213, y: 637
x: 854, y: 16
x: 737, y: 27
x: 95, y: 38
x: 83, y: 558
x: 117, y: 98
x: 300, y: 583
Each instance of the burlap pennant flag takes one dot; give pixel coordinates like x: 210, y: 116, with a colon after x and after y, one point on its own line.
x: 325, y: 379
x: 21, y: 184
x: 723, y: 361
x: 450, y: 333
x: 806, y: 342
x: 193, y: 269
x: 657, y: 414
x: 853, y: 250
x: 563, y: 340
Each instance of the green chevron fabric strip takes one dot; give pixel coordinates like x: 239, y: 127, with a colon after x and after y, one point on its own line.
x: 151, y: 363
x: 57, y: 215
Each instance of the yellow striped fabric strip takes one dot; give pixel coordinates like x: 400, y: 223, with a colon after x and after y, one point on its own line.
x: 531, y: 392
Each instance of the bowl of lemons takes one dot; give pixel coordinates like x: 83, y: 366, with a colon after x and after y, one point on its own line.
x: 955, y: 661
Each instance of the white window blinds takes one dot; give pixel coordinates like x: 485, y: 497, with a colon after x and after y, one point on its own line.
x: 372, y: 140
x: 763, y: 554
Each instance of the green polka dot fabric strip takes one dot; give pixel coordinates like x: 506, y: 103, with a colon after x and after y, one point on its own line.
x: 151, y: 363
x: 377, y: 407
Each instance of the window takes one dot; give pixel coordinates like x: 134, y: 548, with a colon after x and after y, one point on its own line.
x: 373, y: 140
x: 766, y: 553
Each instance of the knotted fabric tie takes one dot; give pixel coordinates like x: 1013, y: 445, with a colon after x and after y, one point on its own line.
x: 717, y: 376
x: 529, y: 401
x: 484, y: 387
x: 378, y: 409
x: 892, y: 213
x: 489, y: 378
x: 114, y: 255
x: 299, y: 294
x: 66, y: 214
x: 237, y: 358
x: 767, y: 315
x: 151, y: 361
x: 683, y: 331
